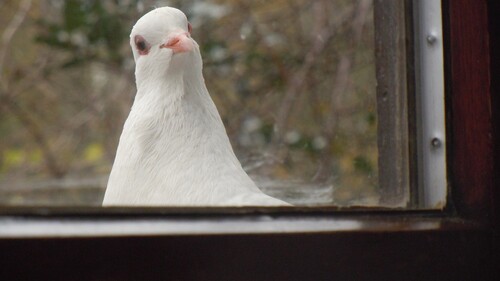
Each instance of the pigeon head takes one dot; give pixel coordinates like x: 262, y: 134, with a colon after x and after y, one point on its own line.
x: 162, y: 45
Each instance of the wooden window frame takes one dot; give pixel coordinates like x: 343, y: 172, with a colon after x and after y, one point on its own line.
x: 460, y: 242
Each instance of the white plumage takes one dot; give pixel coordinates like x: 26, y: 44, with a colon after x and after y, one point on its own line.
x: 174, y: 150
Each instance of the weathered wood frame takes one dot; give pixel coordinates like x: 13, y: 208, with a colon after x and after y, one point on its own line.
x: 395, y: 102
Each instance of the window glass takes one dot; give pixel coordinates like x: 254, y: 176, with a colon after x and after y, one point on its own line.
x: 314, y: 96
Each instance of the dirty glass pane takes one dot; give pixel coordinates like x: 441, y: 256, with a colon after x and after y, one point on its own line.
x: 294, y: 81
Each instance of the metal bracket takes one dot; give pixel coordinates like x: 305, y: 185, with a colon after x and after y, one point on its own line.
x: 430, y: 104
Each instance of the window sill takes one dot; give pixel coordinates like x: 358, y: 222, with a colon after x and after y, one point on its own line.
x: 175, y: 245
x: 121, y: 222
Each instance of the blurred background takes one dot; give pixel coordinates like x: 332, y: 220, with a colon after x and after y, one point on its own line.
x: 293, y: 80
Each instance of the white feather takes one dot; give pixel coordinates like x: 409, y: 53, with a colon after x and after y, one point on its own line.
x: 174, y: 150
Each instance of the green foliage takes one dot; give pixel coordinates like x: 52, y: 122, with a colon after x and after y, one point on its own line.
x: 93, y: 153
x: 13, y: 157
x: 88, y: 31
x: 361, y: 164
x: 267, y: 130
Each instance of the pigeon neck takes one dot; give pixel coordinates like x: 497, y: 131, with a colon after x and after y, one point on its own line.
x: 150, y: 77
x: 153, y: 83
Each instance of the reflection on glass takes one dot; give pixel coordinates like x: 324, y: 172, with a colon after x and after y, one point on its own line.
x: 294, y: 82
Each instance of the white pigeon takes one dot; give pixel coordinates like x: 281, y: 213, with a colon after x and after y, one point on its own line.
x: 174, y: 150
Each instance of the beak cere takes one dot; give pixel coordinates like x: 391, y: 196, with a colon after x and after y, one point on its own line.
x: 179, y: 43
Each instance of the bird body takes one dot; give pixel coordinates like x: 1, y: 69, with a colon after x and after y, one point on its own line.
x: 174, y: 150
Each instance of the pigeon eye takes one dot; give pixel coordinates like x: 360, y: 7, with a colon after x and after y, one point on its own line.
x: 141, y: 45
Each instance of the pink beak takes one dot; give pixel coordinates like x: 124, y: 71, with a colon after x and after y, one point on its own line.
x: 179, y: 43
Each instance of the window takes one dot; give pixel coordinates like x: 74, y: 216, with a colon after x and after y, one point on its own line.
x: 344, y: 105
x: 459, y: 242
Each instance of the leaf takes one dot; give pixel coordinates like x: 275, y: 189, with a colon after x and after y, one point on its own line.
x: 13, y: 158
x: 94, y: 152
x: 361, y: 164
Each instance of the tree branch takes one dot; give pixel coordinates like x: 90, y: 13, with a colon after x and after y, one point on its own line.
x: 8, y: 34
